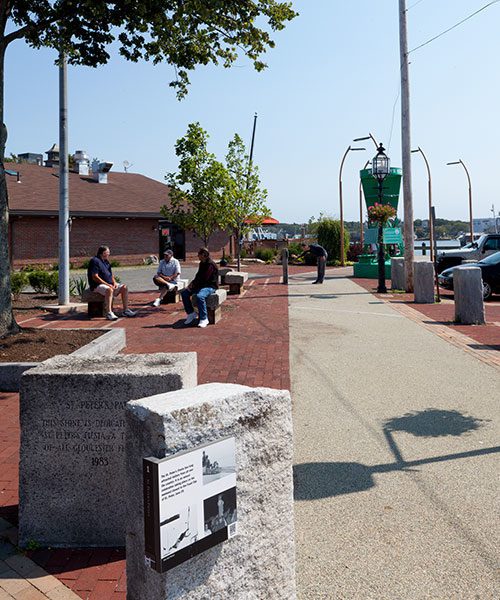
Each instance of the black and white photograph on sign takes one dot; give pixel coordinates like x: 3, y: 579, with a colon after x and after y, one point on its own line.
x: 178, y: 531
x: 220, y: 511
x: 218, y: 461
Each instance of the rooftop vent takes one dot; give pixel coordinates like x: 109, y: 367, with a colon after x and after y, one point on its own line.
x: 82, y: 162
x: 100, y: 170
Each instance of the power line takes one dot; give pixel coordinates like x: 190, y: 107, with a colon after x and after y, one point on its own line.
x: 454, y: 26
x: 414, y: 4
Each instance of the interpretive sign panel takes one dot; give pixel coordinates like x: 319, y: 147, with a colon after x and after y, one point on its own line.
x: 189, y: 503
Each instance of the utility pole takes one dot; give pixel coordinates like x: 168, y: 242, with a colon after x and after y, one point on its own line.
x: 63, y: 184
x: 406, y: 148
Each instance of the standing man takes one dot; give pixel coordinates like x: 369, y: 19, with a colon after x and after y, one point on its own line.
x: 204, y: 283
x: 102, y: 281
x: 167, y: 276
x: 321, y: 257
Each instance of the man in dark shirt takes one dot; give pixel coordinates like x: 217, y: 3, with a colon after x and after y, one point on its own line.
x: 321, y: 256
x: 102, y: 281
x: 204, y: 283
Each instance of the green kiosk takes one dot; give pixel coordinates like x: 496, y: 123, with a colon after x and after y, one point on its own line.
x: 367, y: 267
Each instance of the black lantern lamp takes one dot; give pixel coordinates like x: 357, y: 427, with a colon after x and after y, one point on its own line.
x: 381, y: 166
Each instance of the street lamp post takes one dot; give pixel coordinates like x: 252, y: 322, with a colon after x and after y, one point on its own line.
x: 429, y: 189
x: 342, y: 235
x: 471, y: 224
x: 366, y: 137
x: 361, y: 232
x: 380, y: 170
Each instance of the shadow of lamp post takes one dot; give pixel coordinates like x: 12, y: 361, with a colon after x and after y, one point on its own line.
x: 380, y: 213
x: 460, y: 162
x: 342, y: 235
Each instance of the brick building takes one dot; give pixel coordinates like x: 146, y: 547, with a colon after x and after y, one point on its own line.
x: 121, y: 211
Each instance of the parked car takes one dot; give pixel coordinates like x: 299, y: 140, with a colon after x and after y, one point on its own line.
x: 490, y: 273
x: 487, y: 244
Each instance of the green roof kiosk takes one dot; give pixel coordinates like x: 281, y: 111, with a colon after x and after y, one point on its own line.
x: 367, y: 267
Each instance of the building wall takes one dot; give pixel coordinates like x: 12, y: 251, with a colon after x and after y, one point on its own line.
x: 36, y: 239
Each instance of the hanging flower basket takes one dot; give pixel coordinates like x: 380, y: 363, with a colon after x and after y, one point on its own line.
x: 381, y: 213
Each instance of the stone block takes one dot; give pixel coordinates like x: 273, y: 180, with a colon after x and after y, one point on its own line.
x: 423, y: 282
x: 260, y: 561
x: 223, y: 271
x: 72, y: 463
x: 214, y: 302
x: 398, y: 273
x: 235, y: 280
x: 95, y: 303
x: 468, y: 291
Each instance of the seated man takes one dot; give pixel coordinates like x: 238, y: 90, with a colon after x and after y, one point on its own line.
x: 102, y: 281
x: 203, y: 284
x: 167, y: 276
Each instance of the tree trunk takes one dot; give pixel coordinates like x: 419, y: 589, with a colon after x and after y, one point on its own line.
x: 7, y: 323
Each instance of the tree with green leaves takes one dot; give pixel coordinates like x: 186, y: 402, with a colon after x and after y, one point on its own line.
x: 182, y: 33
x: 246, y: 205
x: 198, y: 189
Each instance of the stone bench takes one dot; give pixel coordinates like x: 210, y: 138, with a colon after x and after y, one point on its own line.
x: 235, y: 280
x: 95, y: 303
x: 173, y: 296
x: 223, y: 271
x: 214, y: 302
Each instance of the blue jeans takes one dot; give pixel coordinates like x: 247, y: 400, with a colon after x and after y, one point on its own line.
x: 202, y: 301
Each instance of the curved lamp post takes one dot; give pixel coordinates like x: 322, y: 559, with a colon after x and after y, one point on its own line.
x: 342, y: 251
x: 381, y: 166
x: 429, y: 189
x: 361, y: 232
x: 366, y: 137
x: 460, y: 162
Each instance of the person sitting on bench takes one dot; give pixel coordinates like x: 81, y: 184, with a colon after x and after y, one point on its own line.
x: 203, y: 284
x: 167, y: 276
x: 102, y: 281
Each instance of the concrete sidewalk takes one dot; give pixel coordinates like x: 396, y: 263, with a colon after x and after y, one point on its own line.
x: 396, y: 450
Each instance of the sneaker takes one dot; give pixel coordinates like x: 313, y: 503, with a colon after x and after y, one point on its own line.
x: 129, y: 313
x: 111, y: 316
x: 190, y: 318
x: 157, y: 302
x: 203, y: 323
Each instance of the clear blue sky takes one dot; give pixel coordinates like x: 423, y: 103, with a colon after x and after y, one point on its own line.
x: 333, y: 76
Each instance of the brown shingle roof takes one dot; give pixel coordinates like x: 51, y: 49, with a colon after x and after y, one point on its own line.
x: 125, y: 193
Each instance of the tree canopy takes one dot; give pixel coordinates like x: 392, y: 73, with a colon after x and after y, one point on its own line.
x: 182, y: 33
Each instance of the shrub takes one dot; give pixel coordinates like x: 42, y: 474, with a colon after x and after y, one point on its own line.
x: 329, y: 238
x: 44, y: 281
x: 77, y: 286
x: 243, y: 253
x: 85, y: 264
x: 114, y: 264
x: 294, y: 248
x: 18, y: 281
x: 265, y: 254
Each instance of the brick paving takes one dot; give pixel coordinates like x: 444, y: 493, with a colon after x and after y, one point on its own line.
x: 248, y: 346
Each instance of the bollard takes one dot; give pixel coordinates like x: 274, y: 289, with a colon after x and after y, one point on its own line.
x: 398, y: 273
x: 468, y: 290
x: 210, y: 510
x: 72, y: 463
x: 423, y: 282
x: 284, y: 261
x: 424, y: 249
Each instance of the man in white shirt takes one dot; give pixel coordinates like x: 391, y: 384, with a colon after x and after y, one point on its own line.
x: 167, y: 276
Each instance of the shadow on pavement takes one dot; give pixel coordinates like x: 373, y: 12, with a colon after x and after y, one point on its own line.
x: 313, y: 481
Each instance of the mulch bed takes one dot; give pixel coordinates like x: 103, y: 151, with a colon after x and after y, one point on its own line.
x: 34, y: 345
